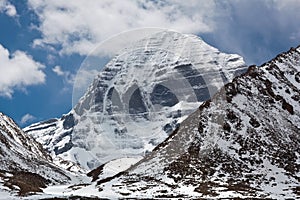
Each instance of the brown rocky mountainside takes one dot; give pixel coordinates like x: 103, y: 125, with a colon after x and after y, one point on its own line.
x: 25, y: 167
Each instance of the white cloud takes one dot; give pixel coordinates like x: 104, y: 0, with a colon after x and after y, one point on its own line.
x: 18, y: 70
x: 27, y: 118
x: 68, y: 77
x: 57, y: 70
x: 257, y: 29
x: 245, y: 27
x: 11, y: 10
x: 51, y: 59
x: 79, y: 25
x: 7, y: 8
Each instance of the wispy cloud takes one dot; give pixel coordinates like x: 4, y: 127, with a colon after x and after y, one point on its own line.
x: 257, y: 29
x: 27, y: 118
x: 68, y: 77
x: 7, y: 8
x: 58, y: 71
x: 18, y: 70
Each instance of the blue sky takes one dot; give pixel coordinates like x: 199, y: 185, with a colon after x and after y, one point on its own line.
x: 43, y: 43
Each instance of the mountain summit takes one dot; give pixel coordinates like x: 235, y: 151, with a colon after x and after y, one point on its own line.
x: 138, y: 99
x: 242, y: 142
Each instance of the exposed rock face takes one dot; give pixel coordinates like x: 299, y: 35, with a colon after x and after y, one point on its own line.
x: 24, y: 163
x: 138, y: 99
x: 244, y: 142
x: 54, y: 134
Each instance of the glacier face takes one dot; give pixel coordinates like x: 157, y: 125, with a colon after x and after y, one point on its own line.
x: 138, y: 98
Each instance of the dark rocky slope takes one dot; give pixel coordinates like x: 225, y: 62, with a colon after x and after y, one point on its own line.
x: 25, y: 167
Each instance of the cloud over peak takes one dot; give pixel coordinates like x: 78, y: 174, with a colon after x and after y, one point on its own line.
x: 79, y: 25
x: 244, y: 27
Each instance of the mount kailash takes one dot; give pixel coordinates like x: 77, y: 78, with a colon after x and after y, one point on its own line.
x: 241, y: 142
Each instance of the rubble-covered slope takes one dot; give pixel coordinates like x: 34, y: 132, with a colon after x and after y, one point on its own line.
x: 25, y: 166
x: 244, y: 142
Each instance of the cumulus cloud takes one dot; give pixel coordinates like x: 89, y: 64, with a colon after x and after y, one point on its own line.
x: 18, y: 70
x: 249, y: 28
x: 27, y: 118
x: 7, y: 8
x: 79, y: 25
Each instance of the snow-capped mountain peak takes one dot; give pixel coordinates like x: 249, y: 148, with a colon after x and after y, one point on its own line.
x: 138, y: 98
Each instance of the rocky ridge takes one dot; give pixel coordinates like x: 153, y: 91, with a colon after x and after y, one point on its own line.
x: 25, y: 166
